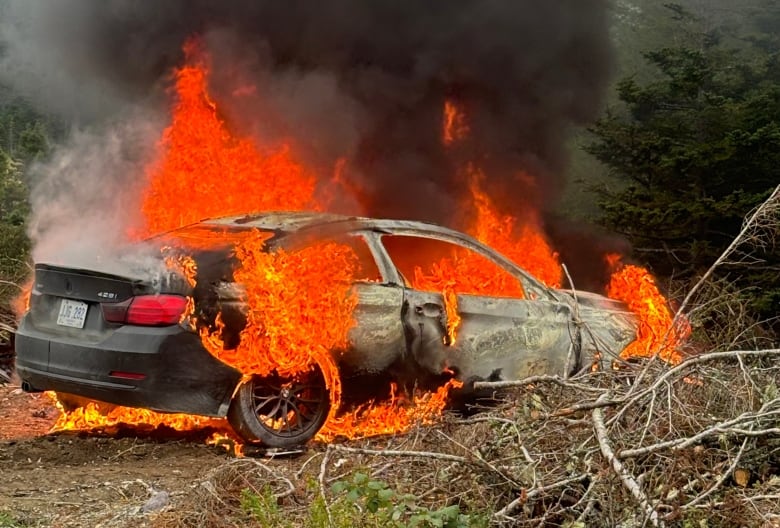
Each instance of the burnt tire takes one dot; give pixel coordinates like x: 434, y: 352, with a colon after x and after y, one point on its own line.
x: 279, y: 411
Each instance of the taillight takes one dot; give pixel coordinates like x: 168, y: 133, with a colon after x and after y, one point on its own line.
x: 146, y: 310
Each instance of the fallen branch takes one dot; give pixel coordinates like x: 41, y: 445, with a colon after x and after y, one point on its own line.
x: 417, y: 454
x: 530, y: 380
x: 719, y: 428
x: 585, y: 406
x: 321, y: 481
x: 720, y: 480
x: 696, y: 360
x: 481, y: 461
x: 628, y: 480
x: 530, y: 494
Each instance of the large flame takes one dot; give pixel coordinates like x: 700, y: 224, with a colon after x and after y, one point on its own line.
x: 299, y: 303
x: 95, y: 415
x: 523, y: 242
x: 206, y: 171
x: 656, y: 333
x: 299, y: 311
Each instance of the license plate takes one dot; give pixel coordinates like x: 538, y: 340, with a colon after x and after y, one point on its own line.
x: 72, y: 313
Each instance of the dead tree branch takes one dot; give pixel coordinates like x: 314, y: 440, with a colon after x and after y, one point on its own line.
x: 770, y: 207
x: 510, y: 508
x: 625, y: 476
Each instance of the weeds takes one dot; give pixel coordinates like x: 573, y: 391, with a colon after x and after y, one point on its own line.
x: 384, y: 506
x: 360, y: 500
x: 7, y: 521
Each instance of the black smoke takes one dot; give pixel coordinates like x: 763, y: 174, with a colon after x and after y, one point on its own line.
x: 364, y: 79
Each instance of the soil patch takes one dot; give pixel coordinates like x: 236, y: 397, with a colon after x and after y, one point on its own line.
x: 77, y: 479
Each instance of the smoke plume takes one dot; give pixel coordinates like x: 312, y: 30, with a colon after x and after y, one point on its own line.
x: 365, y: 80
x: 87, y: 195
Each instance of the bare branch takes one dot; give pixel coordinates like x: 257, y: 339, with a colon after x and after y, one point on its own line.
x: 414, y: 454
x: 720, y: 480
x: 530, y: 494
x: 768, y: 207
x: 530, y: 380
x: 628, y: 480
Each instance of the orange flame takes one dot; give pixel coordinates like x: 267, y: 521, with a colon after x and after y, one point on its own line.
x: 524, y: 244
x: 396, y: 415
x: 299, y: 303
x: 453, y: 317
x: 299, y: 311
x: 95, y: 415
x: 184, y: 264
x: 656, y: 334
x: 21, y: 303
x: 205, y: 171
x: 454, y: 126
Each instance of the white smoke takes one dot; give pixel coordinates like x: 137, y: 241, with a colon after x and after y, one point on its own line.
x: 86, y: 197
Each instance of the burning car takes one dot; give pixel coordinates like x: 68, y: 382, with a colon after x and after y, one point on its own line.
x: 142, y: 339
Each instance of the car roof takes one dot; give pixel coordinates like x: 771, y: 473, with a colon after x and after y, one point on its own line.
x: 289, y: 222
x: 294, y: 223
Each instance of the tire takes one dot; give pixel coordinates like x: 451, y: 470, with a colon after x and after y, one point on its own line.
x: 280, y: 412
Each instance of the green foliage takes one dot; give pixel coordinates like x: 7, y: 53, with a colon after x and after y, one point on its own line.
x: 263, y: 508
x: 7, y: 521
x: 24, y: 138
x: 13, y: 192
x: 14, y: 244
x: 24, y: 133
x: 386, y: 507
x: 360, y: 501
x: 694, y: 150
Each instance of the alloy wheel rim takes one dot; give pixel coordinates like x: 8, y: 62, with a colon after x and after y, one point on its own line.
x: 289, y: 409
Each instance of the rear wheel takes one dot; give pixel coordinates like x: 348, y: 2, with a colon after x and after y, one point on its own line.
x: 280, y: 411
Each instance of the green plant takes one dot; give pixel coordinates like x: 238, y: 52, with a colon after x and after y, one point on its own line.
x: 263, y: 508
x: 7, y: 521
x: 387, y: 507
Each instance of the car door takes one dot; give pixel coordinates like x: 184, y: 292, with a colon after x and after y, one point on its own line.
x: 377, y: 339
x: 502, y: 326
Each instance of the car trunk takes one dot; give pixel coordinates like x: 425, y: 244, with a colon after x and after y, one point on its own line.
x: 84, y: 335
x: 71, y: 302
x: 69, y: 306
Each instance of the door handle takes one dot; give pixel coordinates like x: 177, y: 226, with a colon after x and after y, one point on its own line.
x: 428, y: 310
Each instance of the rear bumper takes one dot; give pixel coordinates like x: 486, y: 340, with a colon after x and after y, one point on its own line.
x: 176, y: 373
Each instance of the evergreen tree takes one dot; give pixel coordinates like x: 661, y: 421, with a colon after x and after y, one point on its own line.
x: 693, y: 151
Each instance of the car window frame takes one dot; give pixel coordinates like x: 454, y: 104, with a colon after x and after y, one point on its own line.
x: 373, y: 229
x: 529, y: 284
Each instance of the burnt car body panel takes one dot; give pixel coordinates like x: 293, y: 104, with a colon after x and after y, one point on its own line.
x: 378, y: 339
x: 398, y: 329
x: 498, y: 338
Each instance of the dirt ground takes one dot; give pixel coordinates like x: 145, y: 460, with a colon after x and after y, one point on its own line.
x: 63, y: 480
